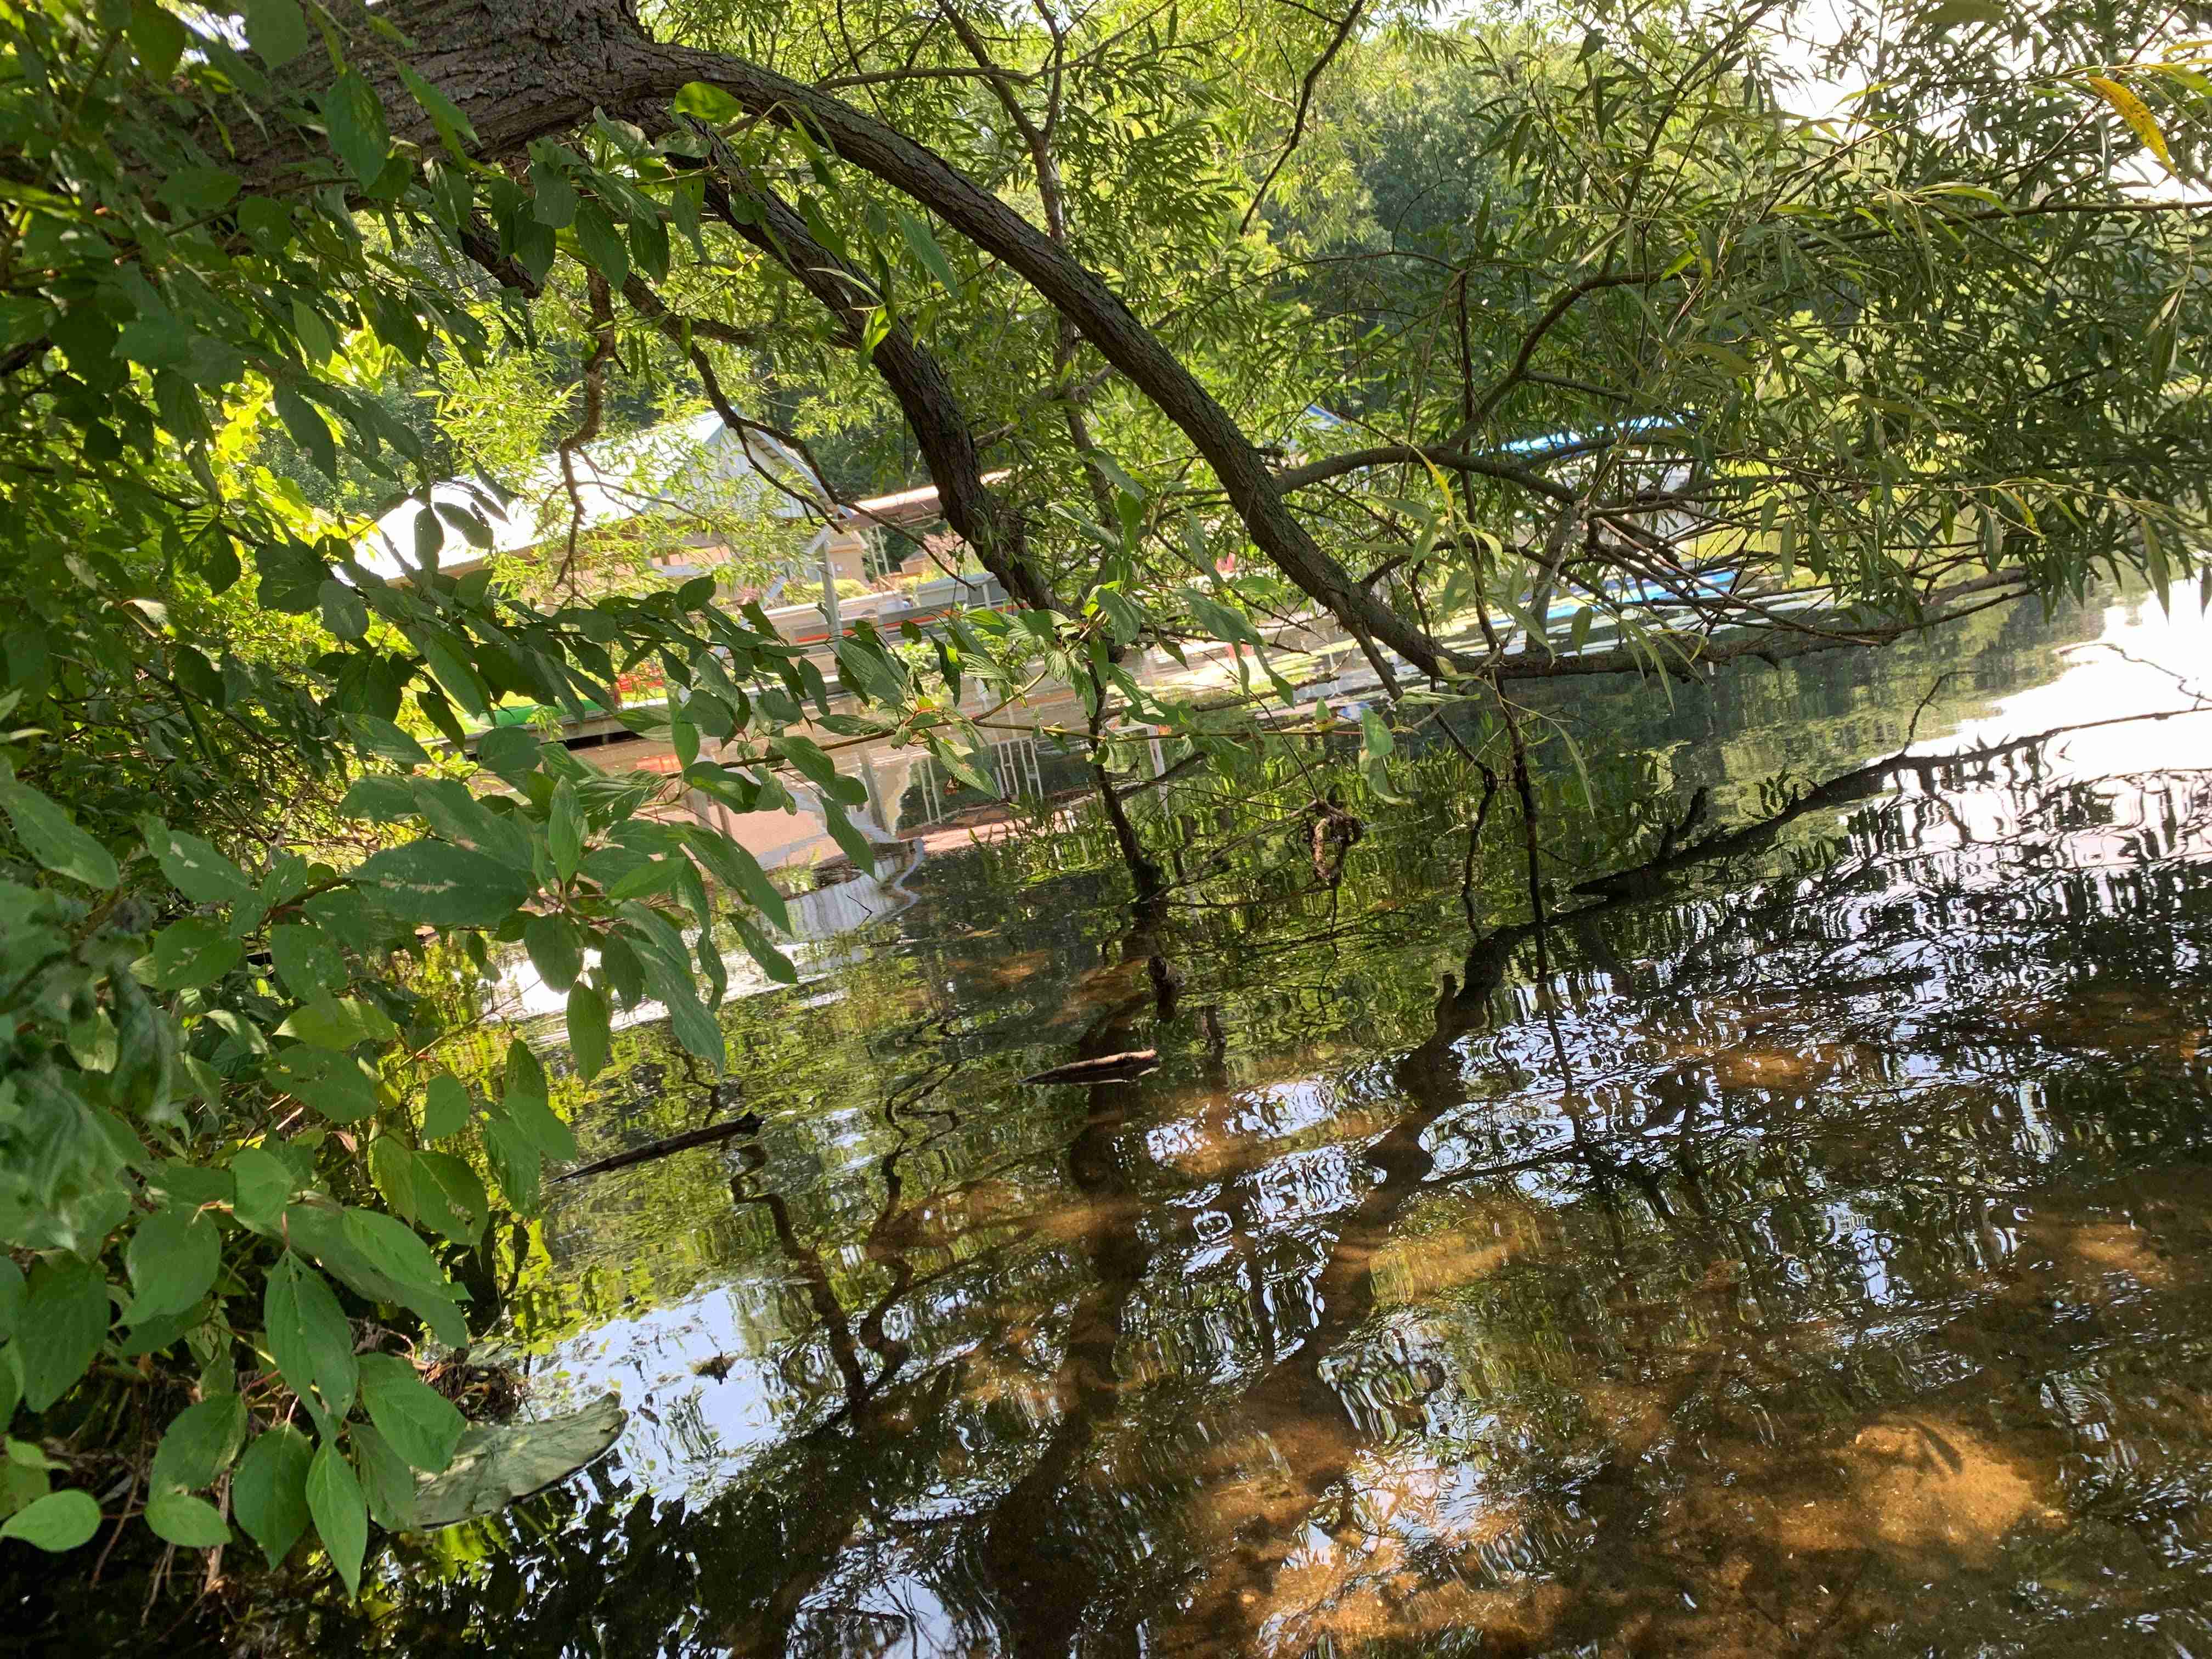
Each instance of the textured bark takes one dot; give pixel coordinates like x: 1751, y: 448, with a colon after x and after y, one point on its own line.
x: 528, y: 69
x: 925, y: 394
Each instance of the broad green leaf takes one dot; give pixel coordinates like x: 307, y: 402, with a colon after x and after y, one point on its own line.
x: 451, y: 1197
x: 386, y: 1481
x: 392, y: 1167
x: 588, y: 1021
x: 329, y: 1022
x: 268, y: 1493
x: 65, y: 1315
x: 174, y: 1257
x: 447, y: 886
x: 493, y: 1467
x: 737, y: 869
x: 341, y: 1516
x: 189, y: 953
x: 762, y: 950
x: 327, y: 1079
x: 307, y: 959
x: 308, y: 1336
x: 446, y: 1108
x: 54, y: 839
x: 602, y: 243
x: 564, y: 831
x: 157, y: 37
x: 386, y: 741
x: 186, y: 1521
x: 554, y: 950
x: 276, y: 29
x: 199, y: 1444
x: 195, y: 868
x: 59, y: 1520
x: 553, y: 202
x: 422, y: 1426
x: 354, y: 117
x: 516, y: 1162
x: 265, y: 1185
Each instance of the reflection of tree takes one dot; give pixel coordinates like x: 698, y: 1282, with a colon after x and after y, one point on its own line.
x: 1284, y: 1293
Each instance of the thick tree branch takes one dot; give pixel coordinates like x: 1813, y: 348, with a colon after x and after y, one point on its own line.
x: 525, y: 70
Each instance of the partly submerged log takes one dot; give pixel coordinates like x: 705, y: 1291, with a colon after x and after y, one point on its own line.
x: 749, y: 1124
x: 1107, y: 1068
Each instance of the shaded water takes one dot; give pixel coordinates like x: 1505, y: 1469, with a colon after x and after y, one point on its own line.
x: 1799, y: 1250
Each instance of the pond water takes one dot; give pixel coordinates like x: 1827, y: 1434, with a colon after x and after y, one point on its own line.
x: 1803, y: 1247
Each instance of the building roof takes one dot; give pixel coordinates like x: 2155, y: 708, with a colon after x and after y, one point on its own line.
x: 693, y: 465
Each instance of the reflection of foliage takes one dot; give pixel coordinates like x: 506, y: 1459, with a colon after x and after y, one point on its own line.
x: 1398, y: 1324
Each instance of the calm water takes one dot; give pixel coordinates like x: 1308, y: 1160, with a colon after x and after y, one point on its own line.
x: 1801, y: 1250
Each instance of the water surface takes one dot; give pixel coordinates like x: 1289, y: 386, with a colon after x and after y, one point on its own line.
x: 1802, y: 1250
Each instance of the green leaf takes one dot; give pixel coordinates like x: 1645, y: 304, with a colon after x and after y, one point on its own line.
x: 447, y: 886
x: 313, y: 433
x: 397, y: 1252
x: 762, y: 950
x: 308, y: 1336
x: 341, y: 1515
x: 451, y: 1198
x: 737, y: 869
x: 380, y: 737
x: 392, y: 1167
x: 266, y: 1186
x: 602, y: 243
x: 51, y: 836
x: 195, y: 868
x: 189, y: 953
x: 269, y: 1493
x: 174, y: 1257
x: 186, y: 1521
x: 199, y: 1444
x: 553, y: 197
x: 354, y: 117
x: 192, y: 190
x: 307, y: 959
x: 422, y: 1426
x: 446, y: 1108
x: 329, y: 1022
x: 554, y: 950
x: 848, y: 835
x: 924, y: 244
x: 386, y: 1479
x: 516, y: 1162
x: 65, y: 1316
x: 331, y: 1082
x: 276, y: 29
x: 588, y: 1022
x: 343, y: 611
x: 493, y: 1467
x: 564, y: 831
x: 59, y: 1520
x: 158, y: 38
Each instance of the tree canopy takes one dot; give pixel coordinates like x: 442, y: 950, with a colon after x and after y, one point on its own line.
x: 1434, y: 329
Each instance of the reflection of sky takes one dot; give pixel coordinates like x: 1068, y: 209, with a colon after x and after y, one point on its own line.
x: 706, y: 1429
x: 2143, y: 662
x: 1755, y: 1029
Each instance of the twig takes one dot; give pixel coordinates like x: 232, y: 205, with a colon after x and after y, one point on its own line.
x: 1305, y: 108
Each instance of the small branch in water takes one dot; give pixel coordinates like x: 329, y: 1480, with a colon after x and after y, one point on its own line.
x: 1133, y: 1063
x: 747, y: 1125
